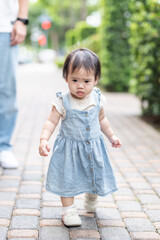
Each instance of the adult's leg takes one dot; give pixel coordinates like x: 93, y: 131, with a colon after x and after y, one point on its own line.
x: 8, y: 105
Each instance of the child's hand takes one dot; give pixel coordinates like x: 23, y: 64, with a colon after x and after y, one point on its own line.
x: 115, y: 141
x: 44, y: 148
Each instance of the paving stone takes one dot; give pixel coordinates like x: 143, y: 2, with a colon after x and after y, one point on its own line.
x: 148, y: 199
x: 8, y: 183
x: 124, y: 198
x: 47, y: 196
x: 87, y: 224
x: 139, y: 225
x: 4, y: 222
x: 9, y: 177
x: 6, y: 203
x: 133, y: 215
x: 157, y: 225
x: 114, y: 233
x: 29, y: 195
x: 51, y: 222
x: 32, y: 167
x: 36, y: 172
x: 146, y: 169
x: 155, y: 185
x: 12, y: 172
x: 129, y: 206
x: 30, y: 189
x: 51, y: 204
x: 157, y: 191
x: 23, y: 233
x: 133, y: 180
x: 145, y: 236
x: 54, y: 233
x: 28, y: 203
x: 3, y: 233
x: 31, y: 183
x: 123, y: 191
x: 32, y: 177
x: 139, y: 185
x: 153, y: 179
x: 30, y: 212
x: 131, y: 175
x: 24, y: 222
x: 108, y: 214
x: 107, y: 205
x: 85, y: 214
x: 154, y: 215
x: 122, y: 185
x: 84, y: 234
x: 6, y: 212
x: 108, y: 198
x: 144, y: 191
x: 84, y: 238
x: 22, y: 239
x: 7, y: 195
x: 8, y: 189
x: 150, y: 174
x: 48, y: 212
x: 110, y: 223
x: 151, y: 206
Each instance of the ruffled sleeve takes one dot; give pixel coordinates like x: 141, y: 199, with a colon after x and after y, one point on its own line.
x: 103, y: 101
x: 58, y: 103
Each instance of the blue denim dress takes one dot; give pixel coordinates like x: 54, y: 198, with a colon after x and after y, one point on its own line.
x: 79, y: 161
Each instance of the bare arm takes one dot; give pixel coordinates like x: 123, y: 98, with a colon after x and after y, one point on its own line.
x: 19, y: 29
x: 107, y: 130
x: 48, y: 128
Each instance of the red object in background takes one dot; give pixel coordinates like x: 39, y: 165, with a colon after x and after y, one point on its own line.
x: 42, y: 40
x: 46, y: 25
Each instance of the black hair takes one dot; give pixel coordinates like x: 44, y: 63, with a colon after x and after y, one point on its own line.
x: 82, y: 57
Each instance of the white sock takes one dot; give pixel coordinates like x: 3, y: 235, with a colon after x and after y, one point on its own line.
x: 64, y: 209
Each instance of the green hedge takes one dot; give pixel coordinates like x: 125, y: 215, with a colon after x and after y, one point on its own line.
x: 115, y: 49
x: 145, y: 47
x: 81, y: 32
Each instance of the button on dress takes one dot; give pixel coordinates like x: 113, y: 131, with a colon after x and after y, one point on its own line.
x: 79, y: 161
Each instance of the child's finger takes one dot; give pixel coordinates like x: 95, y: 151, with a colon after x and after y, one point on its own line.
x: 48, y: 148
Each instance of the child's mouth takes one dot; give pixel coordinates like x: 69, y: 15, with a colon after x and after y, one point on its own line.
x: 79, y: 93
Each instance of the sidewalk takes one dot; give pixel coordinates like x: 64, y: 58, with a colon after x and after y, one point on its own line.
x: 28, y: 212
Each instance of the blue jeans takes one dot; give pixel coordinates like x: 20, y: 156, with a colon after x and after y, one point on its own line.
x: 8, y: 106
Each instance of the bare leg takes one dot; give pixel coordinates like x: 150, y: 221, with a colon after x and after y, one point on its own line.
x: 67, y: 201
x: 70, y: 216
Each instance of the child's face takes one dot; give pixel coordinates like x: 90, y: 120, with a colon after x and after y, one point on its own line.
x: 81, y: 83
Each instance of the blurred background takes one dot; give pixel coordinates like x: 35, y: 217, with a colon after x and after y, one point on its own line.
x: 124, y: 34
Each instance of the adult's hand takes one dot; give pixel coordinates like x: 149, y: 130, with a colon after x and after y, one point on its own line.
x: 18, y: 33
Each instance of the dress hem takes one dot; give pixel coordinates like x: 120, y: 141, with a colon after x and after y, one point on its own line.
x: 83, y: 191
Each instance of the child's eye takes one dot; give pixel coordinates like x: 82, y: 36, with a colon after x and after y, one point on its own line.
x: 86, y: 81
x: 74, y: 80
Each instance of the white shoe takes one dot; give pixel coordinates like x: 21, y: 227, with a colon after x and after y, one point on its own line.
x: 91, y: 202
x: 8, y: 160
x: 71, y: 217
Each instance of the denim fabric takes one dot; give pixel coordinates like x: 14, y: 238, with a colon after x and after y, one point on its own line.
x: 79, y: 161
x: 8, y: 108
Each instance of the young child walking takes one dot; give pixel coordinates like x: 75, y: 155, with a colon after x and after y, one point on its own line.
x: 79, y: 162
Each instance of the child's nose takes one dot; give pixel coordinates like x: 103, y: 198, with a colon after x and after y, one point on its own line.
x: 80, y: 85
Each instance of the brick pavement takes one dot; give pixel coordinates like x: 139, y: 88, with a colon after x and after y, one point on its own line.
x: 28, y: 212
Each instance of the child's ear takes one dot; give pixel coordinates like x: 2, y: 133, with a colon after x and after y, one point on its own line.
x: 66, y: 78
x: 96, y: 81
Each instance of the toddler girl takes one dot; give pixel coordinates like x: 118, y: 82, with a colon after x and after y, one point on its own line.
x: 79, y: 162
